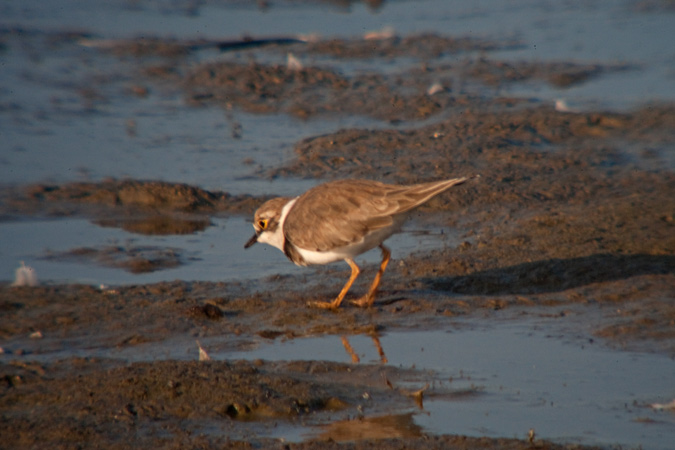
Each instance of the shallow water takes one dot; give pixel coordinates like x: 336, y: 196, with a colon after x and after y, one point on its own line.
x: 524, y: 376
x: 215, y: 254
x: 496, y: 379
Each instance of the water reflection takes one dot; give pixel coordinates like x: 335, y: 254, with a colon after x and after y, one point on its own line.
x: 493, y: 380
x: 376, y: 342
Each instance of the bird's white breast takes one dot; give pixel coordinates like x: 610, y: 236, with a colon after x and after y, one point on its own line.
x: 351, y: 251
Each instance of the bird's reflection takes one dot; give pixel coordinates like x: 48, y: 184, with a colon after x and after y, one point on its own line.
x: 376, y: 342
x: 416, y: 395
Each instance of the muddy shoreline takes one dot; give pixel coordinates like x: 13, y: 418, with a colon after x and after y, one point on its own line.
x: 572, y: 216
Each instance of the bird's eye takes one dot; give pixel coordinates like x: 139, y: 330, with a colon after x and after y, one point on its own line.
x: 262, y: 223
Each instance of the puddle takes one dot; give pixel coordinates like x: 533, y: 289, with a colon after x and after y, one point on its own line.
x: 215, y: 254
x: 170, y: 142
x: 526, y: 379
x: 497, y: 380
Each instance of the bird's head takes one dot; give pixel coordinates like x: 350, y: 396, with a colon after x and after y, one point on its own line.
x: 267, y: 224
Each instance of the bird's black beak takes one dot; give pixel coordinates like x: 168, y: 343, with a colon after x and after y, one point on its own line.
x: 251, y: 241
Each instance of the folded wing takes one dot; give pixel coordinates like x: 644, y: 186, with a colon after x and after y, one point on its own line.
x: 340, y: 213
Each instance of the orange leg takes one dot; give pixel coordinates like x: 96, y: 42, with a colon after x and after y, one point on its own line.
x: 335, y: 304
x: 369, y: 298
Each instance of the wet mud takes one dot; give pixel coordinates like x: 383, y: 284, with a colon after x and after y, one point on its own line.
x: 89, y: 397
x: 419, y: 94
x: 174, y: 404
x: 571, y: 210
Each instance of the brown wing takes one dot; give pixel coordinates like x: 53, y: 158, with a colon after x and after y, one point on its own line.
x: 340, y: 213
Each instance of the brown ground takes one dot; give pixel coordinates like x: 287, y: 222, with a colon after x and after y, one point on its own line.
x: 571, y: 209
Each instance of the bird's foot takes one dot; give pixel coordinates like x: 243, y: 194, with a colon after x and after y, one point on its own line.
x: 324, y: 305
x: 363, y: 302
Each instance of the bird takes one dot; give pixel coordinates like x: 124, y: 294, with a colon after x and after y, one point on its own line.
x: 340, y: 220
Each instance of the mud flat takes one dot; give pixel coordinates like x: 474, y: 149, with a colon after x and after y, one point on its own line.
x: 571, y: 223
